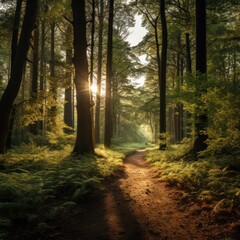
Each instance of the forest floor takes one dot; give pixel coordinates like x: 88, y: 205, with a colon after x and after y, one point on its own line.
x: 133, y: 205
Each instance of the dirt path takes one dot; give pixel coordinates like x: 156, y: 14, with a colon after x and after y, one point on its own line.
x: 133, y: 206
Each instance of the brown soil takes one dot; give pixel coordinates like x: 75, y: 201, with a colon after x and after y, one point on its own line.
x: 133, y: 205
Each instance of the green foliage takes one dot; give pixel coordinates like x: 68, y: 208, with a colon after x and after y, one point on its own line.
x: 128, y: 148
x: 214, y: 179
x: 223, y: 105
x: 35, y: 179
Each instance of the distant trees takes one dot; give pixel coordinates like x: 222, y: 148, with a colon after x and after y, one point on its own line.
x: 14, y: 83
x: 176, y: 103
x: 152, y: 18
x: 44, y: 106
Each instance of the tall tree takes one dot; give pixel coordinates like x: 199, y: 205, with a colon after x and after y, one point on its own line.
x: 84, y: 140
x: 99, y: 72
x: 42, y: 77
x: 15, y: 32
x: 33, y: 128
x: 68, y: 108
x: 162, y: 83
x: 53, y: 87
x: 189, y: 72
x: 109, y: 76
x: 14, y: 83
x: 92, y: 41
x: 188, y: 54
x: 14, y: 45
x: 201, y: 71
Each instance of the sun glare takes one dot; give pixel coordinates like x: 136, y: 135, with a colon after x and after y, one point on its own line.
x: 94, y: 88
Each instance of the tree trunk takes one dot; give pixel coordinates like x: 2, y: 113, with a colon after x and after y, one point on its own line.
x: 201, y: 69
x: 158, y: 64
x: 33, y: 128
x: 188, y: 54
x: 15, y: 80
x: 162, y: 83
x: 42, y: 79
x: 15, y: 32
x: 99, y: 74
x: 52, y: 121
x: 179, y: 106
x: 92, y: 62
x: 92, y: 41
x: 176, y: 109
x: 181, y: 110
x: 189, y: 72
x: 84, y: 140
x: 114, y: 105
x: 109, y: 75
x: 14, y: 45
x: 68, y: 109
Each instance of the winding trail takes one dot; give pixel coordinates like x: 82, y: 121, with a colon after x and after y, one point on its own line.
x: 132, y: 205
x: 153, y: 214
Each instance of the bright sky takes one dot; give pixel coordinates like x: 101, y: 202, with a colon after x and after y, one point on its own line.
x: 136, y: 35
x: 137, y: 32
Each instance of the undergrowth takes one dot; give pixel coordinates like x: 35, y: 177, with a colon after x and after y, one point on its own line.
x: 128, y: 148
x: 37, y: 185
x: 214, y: 179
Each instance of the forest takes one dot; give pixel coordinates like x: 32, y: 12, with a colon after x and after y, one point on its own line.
x: 119, y: 119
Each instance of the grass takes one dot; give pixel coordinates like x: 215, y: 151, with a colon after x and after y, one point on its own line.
x: 34, y: 179
x: 211, y: 179
x: 128, y: 148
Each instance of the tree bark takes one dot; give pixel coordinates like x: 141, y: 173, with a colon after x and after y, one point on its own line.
x: 189, y: 72
x: 53, y: 87
x: 155, y: 26
x: 162, y: 84
x: 84, y: 140
x: 14, y: 45
x: 99, y: 74
x: 42, y: 80
x: 109, y: 75
x: 92, y: 41
x: 92, y: 61
x: 33, y: 128
x: 188, y: 54
x: 68, y: 109
x: 201, y: 70
x: 14, y: 83
x: 15, y: 32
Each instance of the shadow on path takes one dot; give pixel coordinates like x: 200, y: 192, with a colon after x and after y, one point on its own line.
x: 131, y: 205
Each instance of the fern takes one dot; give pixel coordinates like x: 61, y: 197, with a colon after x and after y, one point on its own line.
x: 209, y: 179
x: 35, y: 177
